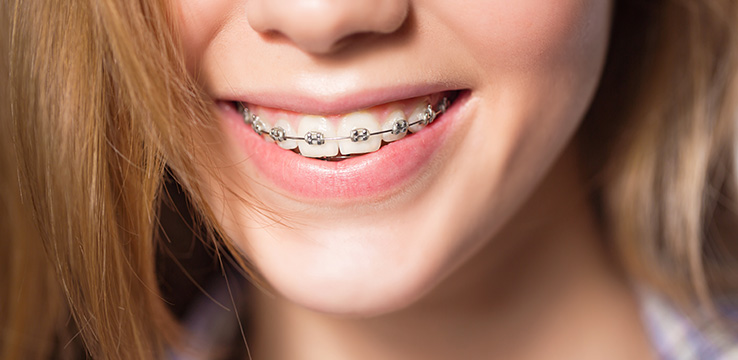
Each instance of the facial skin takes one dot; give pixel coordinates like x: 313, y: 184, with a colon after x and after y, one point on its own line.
x: 531, y: 68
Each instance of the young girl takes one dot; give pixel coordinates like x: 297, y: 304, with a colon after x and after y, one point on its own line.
x: 400, y: 179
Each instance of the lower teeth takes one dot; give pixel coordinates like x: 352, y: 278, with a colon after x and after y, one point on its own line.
x: 339, y: 157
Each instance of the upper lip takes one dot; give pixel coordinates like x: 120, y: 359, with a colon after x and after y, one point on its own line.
x: 335, y: 103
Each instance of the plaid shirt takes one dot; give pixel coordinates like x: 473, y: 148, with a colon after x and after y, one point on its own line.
x: 673, y: 335
x: 676, y: 337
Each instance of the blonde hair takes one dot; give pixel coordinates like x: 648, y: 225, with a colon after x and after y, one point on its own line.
x: 665, y: 125
x: 100, y: 101
x: 92, y: 124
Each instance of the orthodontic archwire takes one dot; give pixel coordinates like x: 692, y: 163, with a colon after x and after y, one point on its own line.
x: 399, y: 126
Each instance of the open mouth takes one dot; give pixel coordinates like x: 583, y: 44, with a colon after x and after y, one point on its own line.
x: 340, y: 137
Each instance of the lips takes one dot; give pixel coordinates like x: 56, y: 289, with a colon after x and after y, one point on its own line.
x: 370, y: 166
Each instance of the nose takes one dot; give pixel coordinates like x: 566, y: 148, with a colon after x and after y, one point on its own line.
x: 317, y: 26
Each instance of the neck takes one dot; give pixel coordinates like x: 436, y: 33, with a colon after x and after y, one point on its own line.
x: 545, y: 287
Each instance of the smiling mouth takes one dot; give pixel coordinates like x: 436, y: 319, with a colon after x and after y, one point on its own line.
x: 340, y: 137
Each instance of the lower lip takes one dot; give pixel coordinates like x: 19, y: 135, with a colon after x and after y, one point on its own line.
x: 380, y: 173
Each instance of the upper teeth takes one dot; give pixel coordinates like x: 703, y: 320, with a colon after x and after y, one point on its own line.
x: 357, y: 133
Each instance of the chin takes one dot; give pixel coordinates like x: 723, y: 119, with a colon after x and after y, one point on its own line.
x: 347, y: 276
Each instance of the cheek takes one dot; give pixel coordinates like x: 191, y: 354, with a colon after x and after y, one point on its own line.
x: 539, y: 64
x: 528, y: 34
x: 199, y: 23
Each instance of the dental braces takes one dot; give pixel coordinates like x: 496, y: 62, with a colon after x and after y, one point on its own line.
x: 399, y: 126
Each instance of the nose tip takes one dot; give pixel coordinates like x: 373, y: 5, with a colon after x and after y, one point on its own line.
x: 317, y: 26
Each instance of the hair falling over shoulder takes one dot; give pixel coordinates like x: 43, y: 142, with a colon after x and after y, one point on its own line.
x: 96, y: 101
x: 91, y: 121
x: 667, y: 112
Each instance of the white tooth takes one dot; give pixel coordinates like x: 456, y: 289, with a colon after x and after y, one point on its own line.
x: 416, y: 115
x: 389, y: 124
x: 319, y: 124
x: 288, y: 131
x: 358, y: 120
x: 267, y: 125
